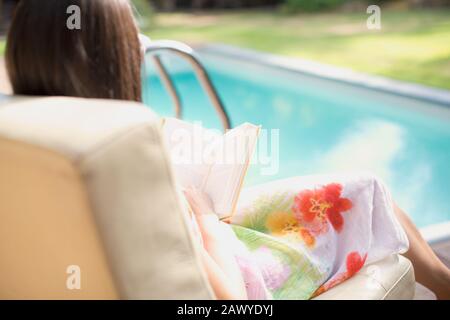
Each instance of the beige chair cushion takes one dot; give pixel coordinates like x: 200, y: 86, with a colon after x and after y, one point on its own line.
x: 68, y: 158
x: 46, y: 226
x: 389, y: 279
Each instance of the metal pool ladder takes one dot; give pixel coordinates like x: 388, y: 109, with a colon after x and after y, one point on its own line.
x: 157, y: 48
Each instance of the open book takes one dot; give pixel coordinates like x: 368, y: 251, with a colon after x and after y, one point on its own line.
x: 213, y: 162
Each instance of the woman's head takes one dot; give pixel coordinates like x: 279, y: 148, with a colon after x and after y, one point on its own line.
x: 100, y: 60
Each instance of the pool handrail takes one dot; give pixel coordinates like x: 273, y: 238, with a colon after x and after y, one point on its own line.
x: 155, y: 48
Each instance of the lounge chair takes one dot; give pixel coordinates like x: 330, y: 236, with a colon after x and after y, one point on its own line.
x: 86, y: 183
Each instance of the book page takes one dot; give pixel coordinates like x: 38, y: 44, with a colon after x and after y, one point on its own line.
x: 213, y: 162
x: 190, y: 148
x: 231, y: 160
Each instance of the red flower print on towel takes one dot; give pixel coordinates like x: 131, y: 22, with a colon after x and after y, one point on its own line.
x: 315, y: 208
x: 354, y: 263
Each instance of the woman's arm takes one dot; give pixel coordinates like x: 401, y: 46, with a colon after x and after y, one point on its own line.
x: 219, y: 261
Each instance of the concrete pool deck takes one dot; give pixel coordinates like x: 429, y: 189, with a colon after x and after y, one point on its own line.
x: 330, y: 72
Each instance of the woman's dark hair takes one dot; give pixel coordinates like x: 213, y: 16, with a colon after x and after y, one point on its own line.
x: 100, y: 60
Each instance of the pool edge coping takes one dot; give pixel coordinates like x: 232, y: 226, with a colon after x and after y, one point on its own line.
x: 436, y: 233
x: 329, y: 72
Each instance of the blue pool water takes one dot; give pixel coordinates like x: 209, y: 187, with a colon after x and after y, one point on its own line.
x: 328, y: 126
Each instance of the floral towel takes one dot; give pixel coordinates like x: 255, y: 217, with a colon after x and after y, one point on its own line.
x: 302, y: 236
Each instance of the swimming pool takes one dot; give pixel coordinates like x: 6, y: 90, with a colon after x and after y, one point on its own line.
x: 328, y: 126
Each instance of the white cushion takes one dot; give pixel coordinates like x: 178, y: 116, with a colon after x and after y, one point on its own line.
x: 389, y: 279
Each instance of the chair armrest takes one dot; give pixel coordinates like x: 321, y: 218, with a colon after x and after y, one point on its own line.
x: 389, y: 279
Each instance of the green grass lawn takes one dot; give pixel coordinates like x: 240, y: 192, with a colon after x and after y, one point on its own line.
x: 412, y: 45
x: 2, y: 47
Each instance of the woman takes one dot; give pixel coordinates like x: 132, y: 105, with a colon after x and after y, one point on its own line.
x: 103, y: 60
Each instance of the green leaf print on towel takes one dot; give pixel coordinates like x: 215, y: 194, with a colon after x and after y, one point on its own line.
x: 288, y: 271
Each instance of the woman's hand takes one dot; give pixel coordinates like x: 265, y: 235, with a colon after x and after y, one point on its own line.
x: 199, y: 201
x: 207, y: 220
